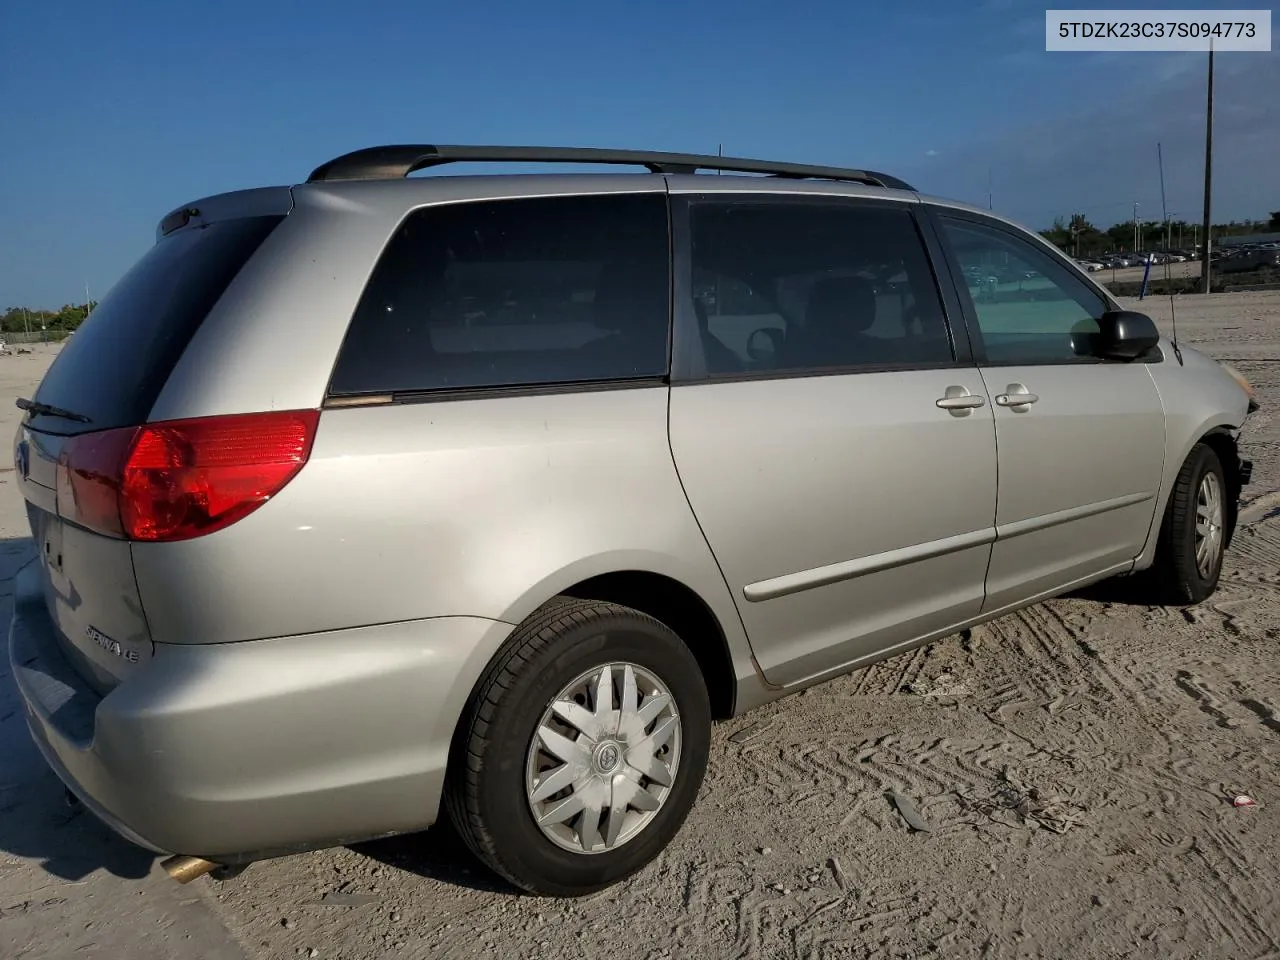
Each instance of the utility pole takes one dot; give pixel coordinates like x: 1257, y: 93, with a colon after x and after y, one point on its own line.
x: 1137, y: 246
x: 1208, y: 179
x: 989, y: 206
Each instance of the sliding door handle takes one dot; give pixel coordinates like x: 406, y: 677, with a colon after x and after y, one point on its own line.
x: 961, y: 403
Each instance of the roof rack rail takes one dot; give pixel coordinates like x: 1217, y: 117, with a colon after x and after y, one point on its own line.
x: 399, y: 160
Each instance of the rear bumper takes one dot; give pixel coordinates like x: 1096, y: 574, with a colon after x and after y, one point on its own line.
x: 243, y: 750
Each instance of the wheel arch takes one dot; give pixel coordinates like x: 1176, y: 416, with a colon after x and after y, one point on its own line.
x: 691, y: 599
x: 681, y: 609
x: 1223, y: 442
x: 1219, y: 433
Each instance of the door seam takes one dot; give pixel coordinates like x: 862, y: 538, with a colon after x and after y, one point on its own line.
x: 995, y: 509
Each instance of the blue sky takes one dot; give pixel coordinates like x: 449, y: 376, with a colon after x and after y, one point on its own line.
x: 116, y: 113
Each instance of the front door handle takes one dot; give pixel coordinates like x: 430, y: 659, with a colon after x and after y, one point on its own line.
x: 961, y: 403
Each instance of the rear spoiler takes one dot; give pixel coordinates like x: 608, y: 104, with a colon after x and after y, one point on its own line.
x: 257, y: 202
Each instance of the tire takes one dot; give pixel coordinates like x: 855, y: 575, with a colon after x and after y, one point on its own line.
x: 1178, y: 574
x: 497, y: 776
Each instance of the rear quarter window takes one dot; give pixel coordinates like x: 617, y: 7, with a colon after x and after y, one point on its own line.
x: 117, y: 363
x: 519, y: 292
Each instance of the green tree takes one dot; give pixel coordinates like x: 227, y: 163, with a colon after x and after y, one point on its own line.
x: 1121, y: 236
x: 1058, y: 234
x: 1086, y: 239
x: 63, y: 320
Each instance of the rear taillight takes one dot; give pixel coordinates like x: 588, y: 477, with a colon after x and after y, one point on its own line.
x: 181, y: 478
x: 89, y: 474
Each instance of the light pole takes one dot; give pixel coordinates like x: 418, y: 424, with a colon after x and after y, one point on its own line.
x: 1208, y: 179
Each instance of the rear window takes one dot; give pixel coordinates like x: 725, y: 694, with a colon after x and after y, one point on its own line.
x: 516, y: 292
x: 117, y: 363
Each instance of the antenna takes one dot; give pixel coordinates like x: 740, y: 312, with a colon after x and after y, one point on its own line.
x: 1164, y: 212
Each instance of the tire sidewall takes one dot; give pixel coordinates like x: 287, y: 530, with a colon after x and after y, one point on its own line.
x: 1200, y: 587
x: 501, y: 794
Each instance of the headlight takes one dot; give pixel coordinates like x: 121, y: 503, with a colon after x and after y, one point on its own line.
x: 1245, y: 385
x: 1239, y: 378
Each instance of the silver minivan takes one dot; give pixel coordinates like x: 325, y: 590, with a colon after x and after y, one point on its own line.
x: 381, y: 495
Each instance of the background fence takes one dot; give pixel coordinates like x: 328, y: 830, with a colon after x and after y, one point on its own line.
x: 35, y: 336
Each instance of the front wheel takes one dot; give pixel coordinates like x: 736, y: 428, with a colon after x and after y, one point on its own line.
x: 1193, y: 536
x: 582, y: 750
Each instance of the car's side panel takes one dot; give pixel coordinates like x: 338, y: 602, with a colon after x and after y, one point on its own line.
x: 759, y: 694
x: 1081, y: 463
x: 1080, y: 470
x: 408, y: 511
x: 848, y: 513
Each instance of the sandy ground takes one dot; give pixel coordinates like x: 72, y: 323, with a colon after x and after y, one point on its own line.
x: 1074, y: 763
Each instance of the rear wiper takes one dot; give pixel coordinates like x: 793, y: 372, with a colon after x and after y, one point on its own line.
x: 48, y: 410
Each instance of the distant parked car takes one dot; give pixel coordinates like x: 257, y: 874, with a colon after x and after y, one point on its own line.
x: 1251, y: 260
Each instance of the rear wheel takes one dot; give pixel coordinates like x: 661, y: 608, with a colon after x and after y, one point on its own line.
x: 1193, y: 535
x: 582, y: 750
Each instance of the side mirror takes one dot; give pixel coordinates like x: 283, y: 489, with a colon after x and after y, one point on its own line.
x: 1124, y: 335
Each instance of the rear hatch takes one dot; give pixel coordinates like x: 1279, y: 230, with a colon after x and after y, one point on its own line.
x: 69, y: 448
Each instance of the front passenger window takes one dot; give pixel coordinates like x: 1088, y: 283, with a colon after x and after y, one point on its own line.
x: 1029, y: 307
